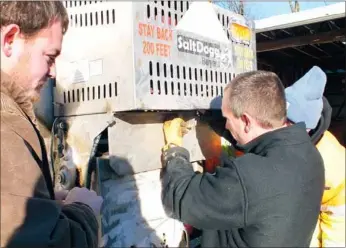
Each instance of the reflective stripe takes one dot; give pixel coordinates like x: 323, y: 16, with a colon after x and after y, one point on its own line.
x: 329, y: 243
x: 334, y: 210
x: 227, y: 148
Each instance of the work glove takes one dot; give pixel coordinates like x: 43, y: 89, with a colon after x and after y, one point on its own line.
x: 86, y: 196
x: 61, y: 195
x: 174, y: 130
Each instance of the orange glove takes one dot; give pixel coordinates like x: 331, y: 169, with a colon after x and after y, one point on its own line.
x: 174, y: 131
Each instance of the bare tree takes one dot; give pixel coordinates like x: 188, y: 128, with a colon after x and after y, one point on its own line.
x: 241, y: 7
x: 236, y: 6
x: 295, y: 7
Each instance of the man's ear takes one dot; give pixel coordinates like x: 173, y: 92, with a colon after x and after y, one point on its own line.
x: 247, y: 122
x: 8, y: 35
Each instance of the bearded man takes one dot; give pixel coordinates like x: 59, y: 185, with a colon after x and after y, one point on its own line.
x: 31, y: 215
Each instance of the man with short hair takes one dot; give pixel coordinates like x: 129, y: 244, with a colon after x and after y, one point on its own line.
x: 31, y: 215
x: 270, y: 196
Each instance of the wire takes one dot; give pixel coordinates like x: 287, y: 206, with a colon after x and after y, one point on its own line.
x: 90, y: 168
x: 52, y: 138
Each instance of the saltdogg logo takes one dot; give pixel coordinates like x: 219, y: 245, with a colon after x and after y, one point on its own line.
x: 198, y: 47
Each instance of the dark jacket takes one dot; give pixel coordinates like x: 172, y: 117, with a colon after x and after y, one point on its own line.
x: 30, y: 217
x: 269, y: 197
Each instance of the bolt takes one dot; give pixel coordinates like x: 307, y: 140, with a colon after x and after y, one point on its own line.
x: 61, y: 177
x: 62, y: 125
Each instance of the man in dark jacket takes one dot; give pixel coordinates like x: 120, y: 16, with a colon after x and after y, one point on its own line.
x: 31, y: 215
x: 269, y: 197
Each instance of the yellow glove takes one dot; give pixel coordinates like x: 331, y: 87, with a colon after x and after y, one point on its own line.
x: 174, y: 131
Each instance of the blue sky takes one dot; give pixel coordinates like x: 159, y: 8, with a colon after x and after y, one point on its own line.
x: 259, y: 9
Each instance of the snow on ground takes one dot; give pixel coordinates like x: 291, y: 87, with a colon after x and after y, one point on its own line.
x: 133, y: 214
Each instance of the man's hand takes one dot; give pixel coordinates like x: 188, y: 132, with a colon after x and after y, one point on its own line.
x: 85, y: 196
x: 174, y: 131
x: 61, y: 195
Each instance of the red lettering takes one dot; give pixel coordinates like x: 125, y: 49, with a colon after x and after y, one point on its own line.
x: 163, y: 50
x: 146, y: 30
x: 148, y: 48
x: 170, y: 35
x: 158, y: 49
x: 158, y: 33
x: 167, y: 50
x: 151, y: 30
x: 140, y: 29
x: 164, y: 34
x: 145, y: 47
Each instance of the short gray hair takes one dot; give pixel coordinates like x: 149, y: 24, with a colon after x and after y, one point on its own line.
x: 259, y: 93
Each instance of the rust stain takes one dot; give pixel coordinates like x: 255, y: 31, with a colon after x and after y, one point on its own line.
x: 108, y: 107
x: 79, y: 180
x: 82, y: 150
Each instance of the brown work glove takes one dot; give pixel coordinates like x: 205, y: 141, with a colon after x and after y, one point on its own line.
x: 174, y: 131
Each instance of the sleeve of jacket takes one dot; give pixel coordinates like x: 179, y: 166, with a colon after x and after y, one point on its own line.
x: 204, y: 201
x: 29, y: 218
